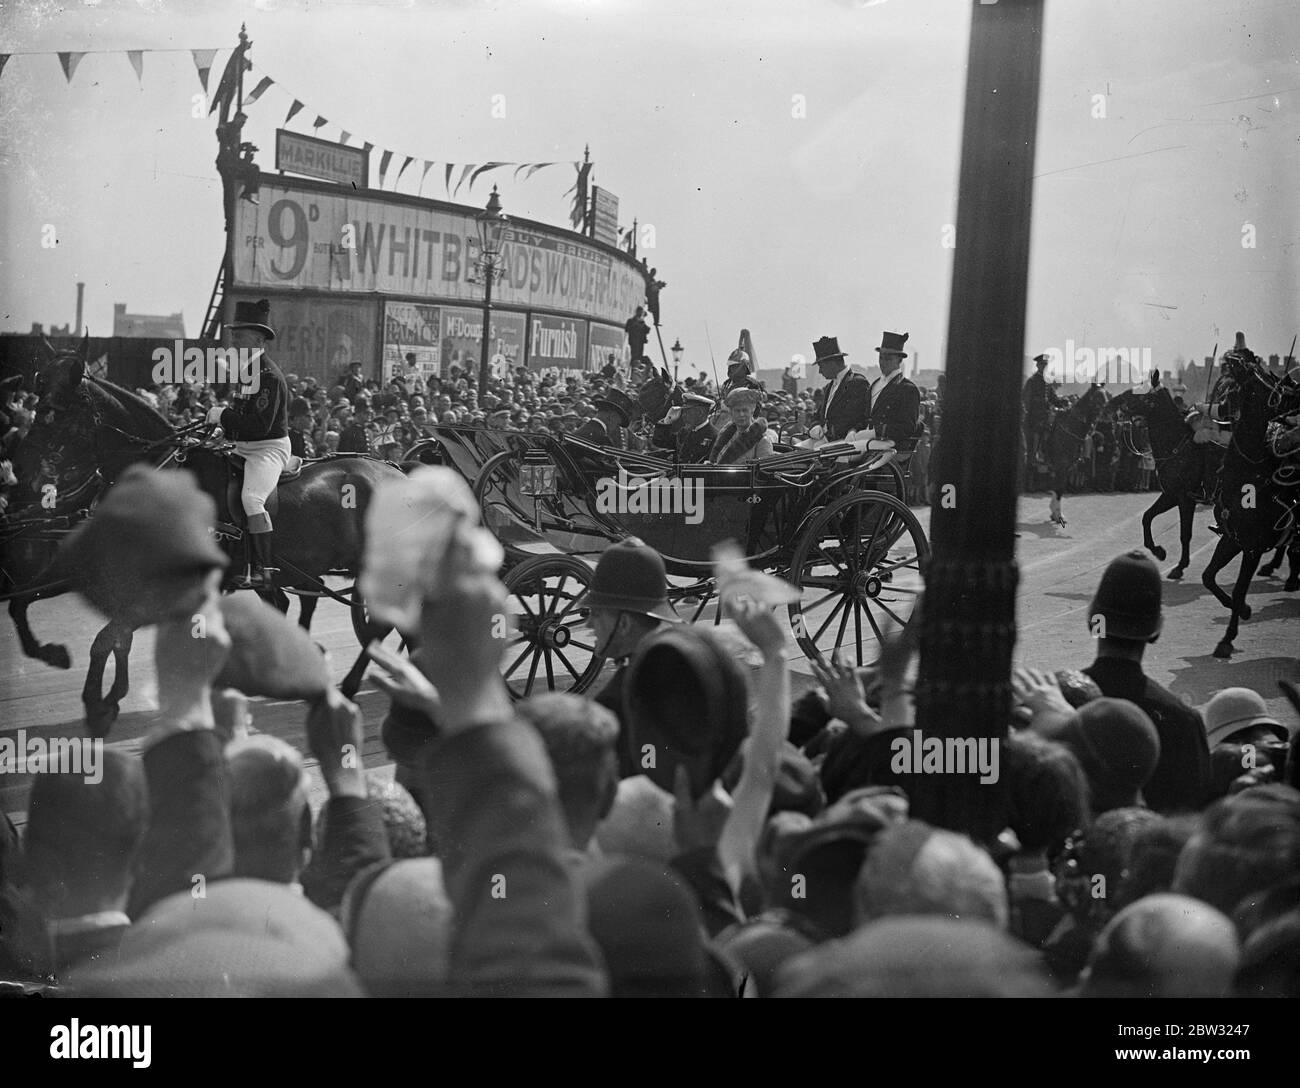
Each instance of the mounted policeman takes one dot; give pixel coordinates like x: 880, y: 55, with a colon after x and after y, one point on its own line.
x: 257, y: 420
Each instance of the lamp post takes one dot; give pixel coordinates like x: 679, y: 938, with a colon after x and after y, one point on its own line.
x: 490, y: 225
x: 677, y: 351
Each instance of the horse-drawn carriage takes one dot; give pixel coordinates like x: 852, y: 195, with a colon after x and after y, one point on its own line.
x: 833, y: 522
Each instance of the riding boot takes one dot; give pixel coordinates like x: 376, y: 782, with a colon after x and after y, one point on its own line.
x: 259, y: 573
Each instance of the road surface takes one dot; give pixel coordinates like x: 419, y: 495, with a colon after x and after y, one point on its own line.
x: 1059, y: 569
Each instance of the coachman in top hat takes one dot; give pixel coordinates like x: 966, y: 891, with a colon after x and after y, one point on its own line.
x: 258, y: 422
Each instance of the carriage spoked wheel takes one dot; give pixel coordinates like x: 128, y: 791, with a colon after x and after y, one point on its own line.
x: 859, y: 563
x: 549, y: 648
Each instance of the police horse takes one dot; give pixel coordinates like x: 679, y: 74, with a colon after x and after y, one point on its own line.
x: 86, y: 432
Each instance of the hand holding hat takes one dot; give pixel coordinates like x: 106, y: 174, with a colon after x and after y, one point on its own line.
x: 736, y: 579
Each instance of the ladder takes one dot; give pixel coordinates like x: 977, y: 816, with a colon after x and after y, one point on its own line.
x: 212, y: 321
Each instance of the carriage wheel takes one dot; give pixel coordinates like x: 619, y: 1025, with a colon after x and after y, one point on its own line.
x: 549, y: 649
x: 859, y: 563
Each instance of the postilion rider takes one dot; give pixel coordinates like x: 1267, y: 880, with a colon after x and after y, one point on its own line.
x: 257, y: 420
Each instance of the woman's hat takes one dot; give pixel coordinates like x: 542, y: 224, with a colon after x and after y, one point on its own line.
x: 743, y: 395
x: 615, y: 400
x: 1234, y: 709
x: 254, y: 315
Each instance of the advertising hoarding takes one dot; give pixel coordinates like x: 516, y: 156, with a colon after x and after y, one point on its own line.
x: 320, y: 336
x: 557, y: 345
x: 411, y: 328
x: 317, y: 158
x: 460, y: 340
x: 602, y: 342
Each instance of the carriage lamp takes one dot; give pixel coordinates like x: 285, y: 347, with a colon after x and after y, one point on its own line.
x: 677, y: 351
x: 537, y: 474
x: 491, y: 225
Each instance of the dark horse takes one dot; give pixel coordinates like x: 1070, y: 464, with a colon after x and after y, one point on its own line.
x: 1256, y: 513
x: 1064, y: 444
x: 1183, y: 466
x: 87, y: 431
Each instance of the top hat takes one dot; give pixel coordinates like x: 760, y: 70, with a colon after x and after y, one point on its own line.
x: 891, y: 343
x: 253, y: 315
x: 618, y: 402
x: 827, y: 349
x: 630, y: 577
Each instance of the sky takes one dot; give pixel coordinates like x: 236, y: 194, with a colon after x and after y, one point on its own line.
x: 797, y: 160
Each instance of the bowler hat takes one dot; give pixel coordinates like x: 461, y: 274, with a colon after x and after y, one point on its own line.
x: 254, y: 315
x: 827, y: 349
x: 1128, y: 599
x: 892, y: 343
x: 630, y: 577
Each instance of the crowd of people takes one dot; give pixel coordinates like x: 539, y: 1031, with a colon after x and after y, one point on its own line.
x: 690, y: 830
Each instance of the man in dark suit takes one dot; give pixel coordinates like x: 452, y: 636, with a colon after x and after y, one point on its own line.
x: 895, y: 401
x: 846, y: 401
x: 689, y: 436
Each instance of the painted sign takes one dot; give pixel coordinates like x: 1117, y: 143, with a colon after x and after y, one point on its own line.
x: 299, y: 154
x: 460, y: 342
x: 321, y: 336
x: 557, y: 345
x: 411, y: 328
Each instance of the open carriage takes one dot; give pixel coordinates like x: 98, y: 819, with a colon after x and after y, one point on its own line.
x: 832, y: 522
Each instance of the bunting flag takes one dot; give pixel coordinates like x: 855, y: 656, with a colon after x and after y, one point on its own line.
x: 4, y: 59
x: 203, y: 62
x: 463, y: 175
x: 409, y: 159
x: 532, y: 168
x: 367, y: 148
x: 136, y: 57
x: 344, y: 137
x: 482, y: 170
x: 384, y: 160
x: 293, y: 111
x: 70, y: 62
x: 319, y: 123
x: 447, y: 178
x: 427, y: 165
x: 263, y: 85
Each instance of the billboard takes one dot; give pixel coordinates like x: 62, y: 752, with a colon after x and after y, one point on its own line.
x: 320, y: 336
x: 605, y: 221
x: 460, y: 340
x: 602, y: 342
x: 318, y: 158
x: 302, y: 239
x: 411, y: 328
x: 557, y: 345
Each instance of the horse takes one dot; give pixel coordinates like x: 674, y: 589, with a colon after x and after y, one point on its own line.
x: 1064, y: 444
x: 1180, y: 466
x: 1257, y: 514
x: 87, y: 431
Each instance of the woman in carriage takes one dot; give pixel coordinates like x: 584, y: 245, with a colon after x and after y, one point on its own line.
x: 746, y: 437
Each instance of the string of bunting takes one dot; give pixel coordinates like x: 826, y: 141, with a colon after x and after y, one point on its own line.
x: 465, y: 174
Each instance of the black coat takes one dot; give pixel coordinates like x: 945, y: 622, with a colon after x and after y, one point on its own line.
x: 691, y: 448
x: 896, y: 412
x: 849, y: 410
x: 262, y: 414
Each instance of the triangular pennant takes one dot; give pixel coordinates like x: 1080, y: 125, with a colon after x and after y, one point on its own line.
x: 293, y: 110
x: 320, y: 122
x: 4, y: 59
x: 70, y: 62
x: 425, y: 174
x: 367, y: 148
x: 538, y: 166
x: 483, y: 170
x: 409, y: 159
x: 344, y: 137
x: 257, y: 92
x: 136, y: 57
x: 447, y: 179
x: 203, y: 59
x: 463, y: 175
x: 384, y: 160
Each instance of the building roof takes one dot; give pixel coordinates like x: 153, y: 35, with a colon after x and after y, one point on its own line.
x: 125, y: 324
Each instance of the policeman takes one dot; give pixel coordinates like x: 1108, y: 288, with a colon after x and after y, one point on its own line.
x: 1037, y: 399
x: 258, y: 422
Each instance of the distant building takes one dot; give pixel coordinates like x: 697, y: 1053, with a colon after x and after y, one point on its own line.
x: 125, y: 324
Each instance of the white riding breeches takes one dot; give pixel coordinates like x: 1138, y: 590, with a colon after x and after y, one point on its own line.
x: 263, y: 462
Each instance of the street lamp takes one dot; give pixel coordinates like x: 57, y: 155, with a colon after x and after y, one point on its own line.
x: 677, y: 351
x: 490, y: 225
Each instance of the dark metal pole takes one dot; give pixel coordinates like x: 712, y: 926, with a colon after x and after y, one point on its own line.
x: 489, y: 268
x: 968, y: 629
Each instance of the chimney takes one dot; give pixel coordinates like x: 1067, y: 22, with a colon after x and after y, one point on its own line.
x: 81, y: 299
x: 1273, y: 360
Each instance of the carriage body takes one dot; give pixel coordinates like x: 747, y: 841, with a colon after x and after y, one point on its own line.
x: 833, y: 522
